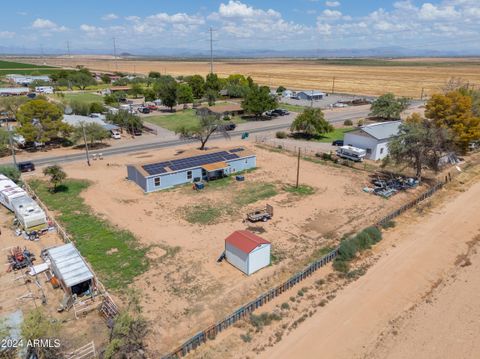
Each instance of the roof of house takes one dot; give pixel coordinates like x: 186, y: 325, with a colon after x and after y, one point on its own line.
x: 312, y: 93
x: 70, y: 264
x: 382, y: 130
x: 14, y: 90
x: 76, y: 120
x: 193, y: 159
x: 245, y: 241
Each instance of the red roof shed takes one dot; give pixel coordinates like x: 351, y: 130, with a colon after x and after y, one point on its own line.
x: 245, y: 241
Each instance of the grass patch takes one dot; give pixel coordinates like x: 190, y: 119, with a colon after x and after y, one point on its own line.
x: 186, y: 118
x: 255, y: 192
x: 19, y: 65
x: 32, y: 72
x: 203, y: 214
x: 84, y: 97
x: 114, y: 254
x: 336, y: 134
x: 292, y: 108
x: 301, y: 190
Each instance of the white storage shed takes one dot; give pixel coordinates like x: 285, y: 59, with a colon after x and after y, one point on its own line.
x: 247, y: 251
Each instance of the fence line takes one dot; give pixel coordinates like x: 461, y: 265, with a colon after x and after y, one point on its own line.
x: 211, y: 331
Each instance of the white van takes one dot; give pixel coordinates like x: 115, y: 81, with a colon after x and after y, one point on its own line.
x: 115, y: 134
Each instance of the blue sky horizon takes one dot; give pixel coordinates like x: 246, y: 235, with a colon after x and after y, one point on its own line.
x: 437, y: 25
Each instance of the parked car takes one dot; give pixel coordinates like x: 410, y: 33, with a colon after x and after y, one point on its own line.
x: 271, y: 113
x: 337, y: 143
x: 115, y: 135
x: 137, y: 132
x: 26, y: 166
x: 144, y: 110
x: 152, y: 107
x: 230, y: 126
x: 281, y: 112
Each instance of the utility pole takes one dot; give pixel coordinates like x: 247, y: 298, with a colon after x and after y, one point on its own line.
x: 421, y: 96
x: 298, y: 167
x: 115, y: 54
x: 211, y: 50
x: 86, y: 145
x: 333, y: 85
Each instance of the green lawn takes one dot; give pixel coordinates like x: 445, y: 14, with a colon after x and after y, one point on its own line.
x: 180, y: 118
x: 113, y: 253
x: 32, y: 72
x: 337, y: 134
x: 292, y: 108
x: 84, y: 97
x: 18, y: 65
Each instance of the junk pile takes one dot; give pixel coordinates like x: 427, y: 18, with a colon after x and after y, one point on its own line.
x: 18, y: 258
x: 388, y: 185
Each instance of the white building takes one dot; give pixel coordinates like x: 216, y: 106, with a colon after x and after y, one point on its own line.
x: 247, y: 251
x: 310, y: 95
x: 44, y: 89
x: 14, y: 91
x: 373, y: 138
x: 78, y: 120
x: 27, y: 80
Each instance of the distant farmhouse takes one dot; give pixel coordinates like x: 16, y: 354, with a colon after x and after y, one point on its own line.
x: 310, y: 95
x: 26, y: 80
x: 193, y: 166
x: 14, y: 91
x: 373, y: 138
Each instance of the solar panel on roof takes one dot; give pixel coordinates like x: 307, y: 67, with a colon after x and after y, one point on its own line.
x: 237, y: 150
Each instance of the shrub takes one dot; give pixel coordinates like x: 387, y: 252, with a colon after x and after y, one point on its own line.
x: 389, y: 224
x: 363, y: 240
x: 360, y: 122
x: 281, y: 134
x: 341, y: 266
x: 259, y: 321
x: 326, y: 156
x: 11, y: 172
x: 246, y: 338
x: 348, y: 123
x: 347, y: 250
x: 374, y: 233
x: 285, y: 306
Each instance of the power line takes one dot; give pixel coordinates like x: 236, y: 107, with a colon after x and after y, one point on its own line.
x: 211, y: 50
x: 115, y: 54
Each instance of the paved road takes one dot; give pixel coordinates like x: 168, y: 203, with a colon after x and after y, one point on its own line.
x: 253, y: 127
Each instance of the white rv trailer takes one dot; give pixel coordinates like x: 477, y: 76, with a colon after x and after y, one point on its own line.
x: 9, y: 191
x: 352, y: 153
x: 29, y: 214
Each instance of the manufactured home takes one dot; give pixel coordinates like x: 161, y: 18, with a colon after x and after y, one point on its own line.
x: 373, y: 138
x: 247, y: 251
x: 192, y: 166
x: 9, y: 192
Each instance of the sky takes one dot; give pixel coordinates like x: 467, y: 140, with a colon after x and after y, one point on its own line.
x: 242, y: 24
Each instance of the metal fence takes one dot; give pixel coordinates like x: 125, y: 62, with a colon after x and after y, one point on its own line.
x: 242, y: 312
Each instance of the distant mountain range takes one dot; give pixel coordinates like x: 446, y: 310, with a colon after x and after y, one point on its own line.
x: 254, y: 53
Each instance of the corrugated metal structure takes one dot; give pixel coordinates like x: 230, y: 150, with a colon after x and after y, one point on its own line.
x: 70, y: 268
x: 247, y: 251
x: 192, y: 166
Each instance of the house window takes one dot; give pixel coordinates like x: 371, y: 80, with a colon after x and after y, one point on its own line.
x: 156, y: 181
x: 369, y: 151
x: 204, y: 172
x: 189, y: 174
x: 381, y: 150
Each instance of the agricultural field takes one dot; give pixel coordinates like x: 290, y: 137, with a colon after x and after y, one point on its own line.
x: 182, y: 231
x: 404, y: 77
x: 186, y: 118
x: 19, y: 65
x: 20, y: 68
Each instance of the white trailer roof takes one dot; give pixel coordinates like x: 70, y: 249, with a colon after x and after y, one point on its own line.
x: 68, y: 265
x: 9, y: 190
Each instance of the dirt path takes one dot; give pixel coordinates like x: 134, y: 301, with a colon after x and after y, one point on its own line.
x: 423, y: 254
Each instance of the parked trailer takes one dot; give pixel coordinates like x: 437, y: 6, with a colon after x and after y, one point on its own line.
x: 9, y: 191
x: 263, y: 214
x: 352, y: 153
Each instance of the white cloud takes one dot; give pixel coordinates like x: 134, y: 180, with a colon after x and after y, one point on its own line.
x: 47, y: 25
x: 429, y: 11
x: 332, y: 14
x: 93, y: 31
x: 7, y: 34
x: 332, y: 3
x: 110, y: 16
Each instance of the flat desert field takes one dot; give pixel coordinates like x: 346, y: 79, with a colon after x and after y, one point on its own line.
x: 186, y: 289
x: 404, y: 77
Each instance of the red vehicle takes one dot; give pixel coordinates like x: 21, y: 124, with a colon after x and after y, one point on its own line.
x: 152, y: 107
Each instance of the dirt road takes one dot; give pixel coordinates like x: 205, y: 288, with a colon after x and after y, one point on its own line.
x: 422, y: 254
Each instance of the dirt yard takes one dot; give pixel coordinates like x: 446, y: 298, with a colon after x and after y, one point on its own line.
x: 303, y: 75
x: 186, y: 289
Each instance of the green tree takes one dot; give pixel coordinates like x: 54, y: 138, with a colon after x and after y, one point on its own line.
x: 311, y: 123
x: 236, y: 86
x: 281, y: 90
x: 36, y: 325
x: 56, y: 174
x: 197, y: 83
x: 207, y: 126
x: 11, y: 172
x: 154, y: 75
x: 4, y: 142
x: 128, y: 332
x: 454, y: 111
x: 258, y: 100
x: 105, y: 78
x: 212, y: 82
x: 211, y: 97
x: 80, y: 107
x: 168, y: 94
x: 12, y: 104
x: 184, y: 94
x: 136, y: 90
x: 127, y: 120
x: 110, y: 100
x: 81, y: 80
x: 96, y: 107
x: 41, y: 121
x: 150, y: 94
x: 93, y: 132
x: 389, y: 107
x: 419, y: 144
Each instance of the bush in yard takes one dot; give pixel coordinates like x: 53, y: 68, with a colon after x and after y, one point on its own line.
x: 374, y: 233
x: 281, y: 134
x: 363, y: 240
x: 11, y: 172
x: 341, y: 266
x: 360, y: 122
x: 347, y: 250
x: 348, y: 123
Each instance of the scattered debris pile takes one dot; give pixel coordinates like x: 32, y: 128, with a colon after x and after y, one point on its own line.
x: 387, y: 185
x: 18, y: 258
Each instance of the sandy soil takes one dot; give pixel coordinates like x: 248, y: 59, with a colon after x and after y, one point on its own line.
x: 302, y: 75
x: 186, y: 289
x: 397, y: 310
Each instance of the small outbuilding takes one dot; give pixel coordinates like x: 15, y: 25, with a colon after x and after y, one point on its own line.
x: 247, y: 251
x: 310, y: 95
x: 68, y: 266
